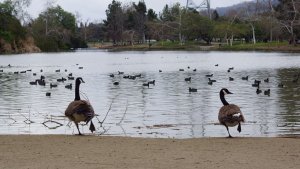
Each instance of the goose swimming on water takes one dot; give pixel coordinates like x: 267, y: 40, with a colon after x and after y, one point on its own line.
x: 258, y: 91
x: 230, y: 115
x: 188, y: 79
x: 192, y: 90
x: 211, y: 80
x: 33, y: 83
x: 152, y: 82
x: 267, y: 92
x: 245, y: 78
x: 69, y: 86
x: 80, y: 110
x: 53, y: 85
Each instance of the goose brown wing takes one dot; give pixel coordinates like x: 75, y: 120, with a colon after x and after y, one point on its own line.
x: 228, y: 111
x: 80, y: 107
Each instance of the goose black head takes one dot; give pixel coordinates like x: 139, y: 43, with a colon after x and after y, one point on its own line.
x: 225, y: 91
x: 79, y: 80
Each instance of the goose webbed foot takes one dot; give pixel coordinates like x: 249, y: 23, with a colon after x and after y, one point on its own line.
x: 239, y: 129
x: 79, y: 134
x: 92, y: 127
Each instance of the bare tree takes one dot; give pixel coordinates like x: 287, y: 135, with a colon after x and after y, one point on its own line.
x: 272, y: 14
x: 232, y: 14
x: 251, y: 15
x: 20, y: 10
x: 48, y: 4
x: 288, y: 17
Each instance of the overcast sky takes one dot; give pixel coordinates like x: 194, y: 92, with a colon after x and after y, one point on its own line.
x: 94, y: 10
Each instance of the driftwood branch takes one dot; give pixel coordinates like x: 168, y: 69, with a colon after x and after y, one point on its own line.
x: 101, y: 122
x: 104, y: 131
x: 123, y: 114
x: 27, y: 121
x: 110, y: 106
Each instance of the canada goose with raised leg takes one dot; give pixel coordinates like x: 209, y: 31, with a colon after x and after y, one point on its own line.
x: 230, y: 115
x: 80, y: 110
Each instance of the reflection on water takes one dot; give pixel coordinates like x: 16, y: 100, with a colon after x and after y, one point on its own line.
x: 166, y: 109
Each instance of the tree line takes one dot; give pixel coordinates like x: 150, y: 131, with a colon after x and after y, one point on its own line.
x: 132, y: 23
x: 256, y: 21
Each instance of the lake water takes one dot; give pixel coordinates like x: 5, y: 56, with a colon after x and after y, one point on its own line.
x: 166, y: 109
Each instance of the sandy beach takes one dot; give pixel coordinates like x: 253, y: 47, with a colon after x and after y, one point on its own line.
x: 77, y: 152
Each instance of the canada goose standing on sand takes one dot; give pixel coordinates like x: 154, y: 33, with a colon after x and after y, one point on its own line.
x: 230, y: 115
x: 80, y: 110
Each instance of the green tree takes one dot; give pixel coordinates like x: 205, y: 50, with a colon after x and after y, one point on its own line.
x: 140, y: 20
x: 151, y: 15
x: 170, y: 14
x: 114, y: 21
x: 54, y: 30
x: 215, y: 15
x: 171, y: 22
x: 11, y: 29
x: 196, y: 26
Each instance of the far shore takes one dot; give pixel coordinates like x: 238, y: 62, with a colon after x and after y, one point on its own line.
x: 77, y: 152
x: 261, y: 47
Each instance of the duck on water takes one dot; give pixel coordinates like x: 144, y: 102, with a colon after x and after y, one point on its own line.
x: 80, y: 110
x: 230, y: 115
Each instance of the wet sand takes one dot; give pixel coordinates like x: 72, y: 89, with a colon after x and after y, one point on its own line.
x: 77, y: 152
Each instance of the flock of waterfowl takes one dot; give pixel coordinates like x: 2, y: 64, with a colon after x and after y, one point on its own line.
x: 230, y: 115
x: 131, y: 77
x: 42, y: 80
x: 80, y: 110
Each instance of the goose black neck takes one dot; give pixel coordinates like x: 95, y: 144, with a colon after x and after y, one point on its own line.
x: 223, y: 98
x: 77, y: 96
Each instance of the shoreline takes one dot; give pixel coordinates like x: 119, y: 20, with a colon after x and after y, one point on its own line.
x: 71, y: 151
x: 120, y: 49
x: 281, y: 49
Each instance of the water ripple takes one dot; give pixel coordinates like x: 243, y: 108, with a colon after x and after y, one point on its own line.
x: 166, y: 109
